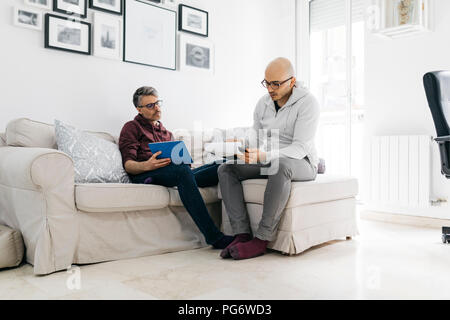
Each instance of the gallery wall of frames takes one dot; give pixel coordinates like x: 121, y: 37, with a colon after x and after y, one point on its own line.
x: 152, y: 33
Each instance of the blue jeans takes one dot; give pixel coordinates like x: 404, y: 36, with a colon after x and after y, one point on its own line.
x: 188, y: 181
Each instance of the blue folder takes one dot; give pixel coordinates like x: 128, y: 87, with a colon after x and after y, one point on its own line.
x: 175, y: 150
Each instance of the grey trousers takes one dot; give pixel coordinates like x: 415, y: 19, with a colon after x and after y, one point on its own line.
x: 276, y: 194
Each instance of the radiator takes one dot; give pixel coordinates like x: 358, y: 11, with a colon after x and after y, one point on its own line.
x: 399, y: 171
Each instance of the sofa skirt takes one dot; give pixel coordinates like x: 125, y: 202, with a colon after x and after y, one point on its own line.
x: 124, y: 235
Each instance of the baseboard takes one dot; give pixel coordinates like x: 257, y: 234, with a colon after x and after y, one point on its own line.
x: 404, y: 219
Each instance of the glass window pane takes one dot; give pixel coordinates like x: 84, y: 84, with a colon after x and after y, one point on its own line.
x: 328, y: 82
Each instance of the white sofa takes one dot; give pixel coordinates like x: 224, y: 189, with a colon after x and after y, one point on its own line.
x: 64, y: 223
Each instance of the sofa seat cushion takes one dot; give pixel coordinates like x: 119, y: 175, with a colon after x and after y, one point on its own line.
x: 209, y: 195
x: 118, y: 197
x: 325, y: 188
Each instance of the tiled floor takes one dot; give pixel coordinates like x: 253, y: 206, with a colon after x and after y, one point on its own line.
x: 386, y: 261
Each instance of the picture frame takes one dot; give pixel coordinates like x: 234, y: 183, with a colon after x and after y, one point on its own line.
x: 107, y: 36
x: 114, y: 6
x: 196, y: 55
x: 42, y: 4
x: 149, y: 35
x: 405, y: 12
x: 67, y: 34
x: 193, y: 20
x: 71, y: 7
x: 27, y: 18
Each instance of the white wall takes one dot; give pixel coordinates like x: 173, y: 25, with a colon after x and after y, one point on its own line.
x: 94, y: 93
x: 395, y: 97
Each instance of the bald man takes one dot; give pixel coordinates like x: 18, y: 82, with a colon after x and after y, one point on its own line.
x: 295, y: 113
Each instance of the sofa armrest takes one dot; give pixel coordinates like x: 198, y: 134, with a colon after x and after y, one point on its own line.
x: 33, y: 168
x: 37, y: 196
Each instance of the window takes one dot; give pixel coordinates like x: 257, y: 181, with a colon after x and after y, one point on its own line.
x: 337, y: 80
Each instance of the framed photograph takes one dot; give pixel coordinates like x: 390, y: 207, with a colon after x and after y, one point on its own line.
x: 110, y: 6
x: 150, y: 35
x: 196, y: 55
x: 193, y: 20
x: 43, y: 4
x: 27, y: 18
x: 67, y: 34
x: 71, y: 7
x: 107, y: 42
x: 404, y: 12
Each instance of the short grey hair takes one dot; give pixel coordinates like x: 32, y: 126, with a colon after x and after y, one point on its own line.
x: 141, y: 92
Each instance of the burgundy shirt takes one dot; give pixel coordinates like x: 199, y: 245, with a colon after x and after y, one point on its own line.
x: 135, y: 137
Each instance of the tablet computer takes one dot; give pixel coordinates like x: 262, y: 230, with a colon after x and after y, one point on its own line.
x: 175, y: 150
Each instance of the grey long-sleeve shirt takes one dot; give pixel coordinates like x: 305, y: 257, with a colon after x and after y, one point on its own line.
x: 297, y: 123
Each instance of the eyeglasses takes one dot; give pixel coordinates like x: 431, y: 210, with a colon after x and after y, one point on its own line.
x: 274, y: 84
x: 152, y: 105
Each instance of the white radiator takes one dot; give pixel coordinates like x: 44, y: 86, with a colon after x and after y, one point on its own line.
x: 399, y: 171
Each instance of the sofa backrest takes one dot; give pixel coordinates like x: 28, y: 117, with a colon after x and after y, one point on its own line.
x: 24, y: 132
x: 195, y: 141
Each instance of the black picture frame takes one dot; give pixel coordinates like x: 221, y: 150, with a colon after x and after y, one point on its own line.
x: 92, y: 6
x: 57, y: 9
x: 47, y: 34
x: 124, y: 55
x: 180, y: 20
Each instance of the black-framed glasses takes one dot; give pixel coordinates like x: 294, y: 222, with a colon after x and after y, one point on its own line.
x: 274, y: 84
x: 152, y: 105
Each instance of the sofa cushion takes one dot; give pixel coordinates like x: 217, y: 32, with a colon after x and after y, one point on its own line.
x: 117, y: 197
x: 24, y: 132
x: 325, y: 188
x: 209, y: 195
x: 194, y: 141
x: 11, y: 247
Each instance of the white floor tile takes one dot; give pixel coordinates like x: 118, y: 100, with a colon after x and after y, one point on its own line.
x: 387, y: 261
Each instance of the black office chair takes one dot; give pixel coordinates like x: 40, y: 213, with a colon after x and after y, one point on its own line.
x: 437, y: 88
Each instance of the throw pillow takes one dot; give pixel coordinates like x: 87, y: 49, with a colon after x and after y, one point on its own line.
x: 96, y: 160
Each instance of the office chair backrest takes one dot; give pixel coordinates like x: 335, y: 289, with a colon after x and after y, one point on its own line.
x: 437, y: 87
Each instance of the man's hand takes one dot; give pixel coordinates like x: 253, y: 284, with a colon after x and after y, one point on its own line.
x: 153, y: 163
x: 134, y: 167
x: 253, y: 156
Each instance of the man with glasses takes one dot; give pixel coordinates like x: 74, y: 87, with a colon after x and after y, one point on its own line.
x: 290, y: 115
x: 143, y: 167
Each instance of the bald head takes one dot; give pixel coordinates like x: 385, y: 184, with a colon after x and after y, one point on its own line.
x: 280, y: 67
x: 280, y: 72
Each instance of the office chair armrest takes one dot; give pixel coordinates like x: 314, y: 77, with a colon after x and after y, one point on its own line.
x: 442, y: 139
